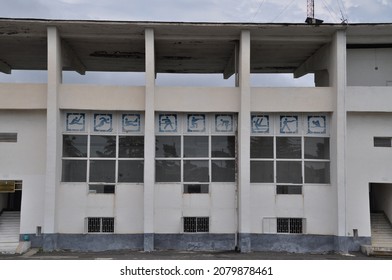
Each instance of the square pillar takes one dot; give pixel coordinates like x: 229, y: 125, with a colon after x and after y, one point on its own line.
x: 244, y: 195
x: 149, y: 143
x: 53, y: 137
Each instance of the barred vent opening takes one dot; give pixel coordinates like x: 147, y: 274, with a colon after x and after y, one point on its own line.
x: 289, y: 225
x: 9, y: 137
x: 100, y: 225
x: 196, y: 224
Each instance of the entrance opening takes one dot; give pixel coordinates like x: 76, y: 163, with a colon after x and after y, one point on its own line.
x: 380, y: 198
x: 11, y: 196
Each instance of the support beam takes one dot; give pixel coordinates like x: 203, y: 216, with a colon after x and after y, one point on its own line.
x: 149, y: 143
x: 75, y: 61
x: 53, y: 139
x: 244, y: 211
x: 317, y: 62
x: 4, y: 67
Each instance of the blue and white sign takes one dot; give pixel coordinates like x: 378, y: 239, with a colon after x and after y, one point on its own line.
x: 196, y: 123
x: 76, y: 122
x: 260, y: 124
x: 130, y: 122
x: 317, y: 124
x: 167, y: 122
x: 103, y: 122
x: 288, y: 124
x: 224, y: 123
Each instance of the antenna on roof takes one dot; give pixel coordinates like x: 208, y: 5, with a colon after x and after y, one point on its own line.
x: 310, y: 15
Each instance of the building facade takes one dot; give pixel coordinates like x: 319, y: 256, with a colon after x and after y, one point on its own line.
x: 96, y: 167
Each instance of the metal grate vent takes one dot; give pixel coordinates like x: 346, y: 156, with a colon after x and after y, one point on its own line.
x: 100, y: 225
x: 289, y: 225
x: 9, y: 137
x: 196, y: 224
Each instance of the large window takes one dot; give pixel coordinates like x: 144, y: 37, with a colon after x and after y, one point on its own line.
x: 289, y: 152
x: 202, y: 152
x: 100, y: 154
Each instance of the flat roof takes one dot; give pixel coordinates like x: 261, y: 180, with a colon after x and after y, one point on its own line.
x: 180, y: 47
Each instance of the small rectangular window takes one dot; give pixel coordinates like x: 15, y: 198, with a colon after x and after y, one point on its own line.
x: 196, y: 188
x: 284, y: 189
x: 289, y: 225
x: 167, y: 171
x: 9, y: 137
x: 382, y: 142
x: 261, y: 171
x: 196, y: 224
x: 100, y: 224
x: 101, y: 188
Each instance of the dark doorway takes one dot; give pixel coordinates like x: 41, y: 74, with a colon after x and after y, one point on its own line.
x: 14, y: 201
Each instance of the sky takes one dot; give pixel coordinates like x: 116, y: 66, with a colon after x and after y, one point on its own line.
x: 251, y: 11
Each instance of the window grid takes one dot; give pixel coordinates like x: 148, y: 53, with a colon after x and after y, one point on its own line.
x: 289, y: 225
x: 100, y: 224
x: 196, y: 224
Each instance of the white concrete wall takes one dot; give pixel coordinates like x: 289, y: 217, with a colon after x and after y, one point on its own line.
x: 25, y: 160
x: 171, y: 204
x: 22, y: 96
x: 369, y: 99
x: 315, y: 205
x: 75, y: 204
x: 369, y: 67
x: 365, y: 164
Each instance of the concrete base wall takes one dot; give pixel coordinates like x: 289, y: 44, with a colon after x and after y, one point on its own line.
x: 199, y: 242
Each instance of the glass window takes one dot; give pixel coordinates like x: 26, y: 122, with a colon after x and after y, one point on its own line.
x: 103, y: 146
x: 196, y: 188
x: 102, y: 171
x: 195, y: 146
x: 223, y: 146
x: 74, y: 171
x: 168, y: 146
x: 289, y: 172
x: 382, y: 142
x: 317, y: 172
x: 131, y: 147
x: 261, y: 147
x: 74, y: 145
x: 167, y: 171
x: 101, y: 188
x: 130, y: 171
x: 288, y: 189
x: 261, y: 171
x: 316, y: 148
x: 288, y: 147
x: 223, y: 171
x: 196, y: 171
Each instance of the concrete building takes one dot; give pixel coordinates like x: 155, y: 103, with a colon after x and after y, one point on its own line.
x: 96, y: 167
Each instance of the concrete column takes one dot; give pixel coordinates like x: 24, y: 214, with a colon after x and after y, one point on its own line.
x: 338, y: 133
x: 53, y: 137
x: 149, y: 143
x: 244, y: 212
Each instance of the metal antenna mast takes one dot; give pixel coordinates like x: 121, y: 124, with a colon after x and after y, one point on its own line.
x: 310, y: 16
x: 310, y: 8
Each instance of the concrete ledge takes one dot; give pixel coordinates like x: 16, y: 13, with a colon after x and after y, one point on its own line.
x: 370, y: 250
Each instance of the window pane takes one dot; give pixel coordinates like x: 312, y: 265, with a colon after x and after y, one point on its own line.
x: 288, y: 189
x: 261, y: 171
x: 131, y: 147
x: 223, y: 146
x: 167, y: 146
x: 282, y: 225
x: 196, y: 171
x: 130, y: 171
x: 289, y: 172
x: 261, y: 147
x: 101, y: 188
x: 203, y: 224
x: 103, y: 146
x: 295, y: 225
x: 102, y: 171
x: 382, y: 142
x: 288, y: 147
x: 223, y: 171
x: 316, y: 148
x: 196, y: 188
x: 74, y: 171
x: 189, y: 224
x: 75, y: 146
x: 317, y: 172
x: 195, y: 146
x: 167, y: 171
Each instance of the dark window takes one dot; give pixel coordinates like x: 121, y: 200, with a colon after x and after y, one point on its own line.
x: 284, y: 189
x: 101, y: 188
x: 130, y: 171
x: 261, y: 171
x: 223, y: 170
x: 75, y: 146
x: 196, y: 188
x: 103, y: 146
x: 74, y: 171
x: 382, y: 142
x: 168, y: 146
x: 103, y: 171
x: 289, y: 172
x: 195, y: 146
x: 317, y: 172
x: 316, y: 148
x: 167, y: 170
x: 100, y: 225
x: 9, y: 137
x: 223, y: 146
x: 288, y: 147
x: 131, y: 147
x: 196, y: 171
x: 261, y: 147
